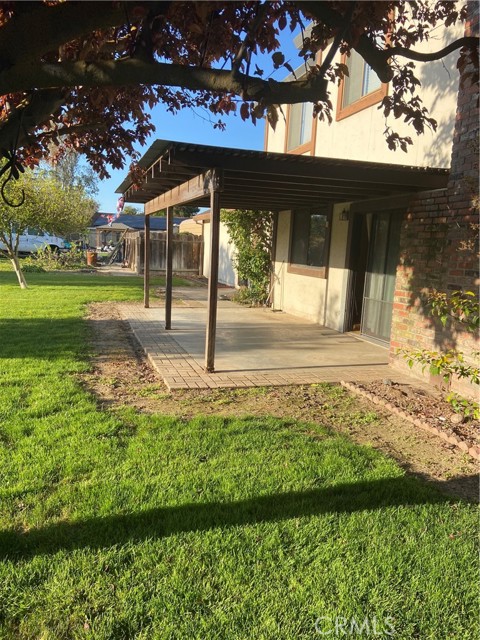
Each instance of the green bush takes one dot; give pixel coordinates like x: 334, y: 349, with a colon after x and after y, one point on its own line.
x: 48, y: 260
x: 251, y: 233
x: 459, y: 309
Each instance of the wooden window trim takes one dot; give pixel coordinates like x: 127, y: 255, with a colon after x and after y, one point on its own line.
x: 307, y: 147
x: 362, y: 103
x: 311, y: 272
x: 265, y: 136
x: 304, y: 269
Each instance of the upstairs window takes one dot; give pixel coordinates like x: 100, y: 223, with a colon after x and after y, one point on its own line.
x: 300, y: 126
x: 361, y: 80
x: 360, y: 89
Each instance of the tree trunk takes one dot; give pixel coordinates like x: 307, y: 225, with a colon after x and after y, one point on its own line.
x: 18, y: 270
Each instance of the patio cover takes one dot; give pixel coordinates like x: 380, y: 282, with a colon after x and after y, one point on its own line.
x: 178, y: 173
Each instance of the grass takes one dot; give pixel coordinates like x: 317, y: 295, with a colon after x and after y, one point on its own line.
x: 117, y: 524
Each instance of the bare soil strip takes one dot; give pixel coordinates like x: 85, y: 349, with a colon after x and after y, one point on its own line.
x: 121, y: 375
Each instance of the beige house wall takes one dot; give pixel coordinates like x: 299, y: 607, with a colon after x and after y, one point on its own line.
x: 190, y: 226
x: 320, y: 300
x: 337, y: 273
x: 361, y: 137
x: 226, y: 272
x: 296, y: 294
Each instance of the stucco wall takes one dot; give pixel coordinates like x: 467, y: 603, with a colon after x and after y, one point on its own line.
x: 317, y: 299
x: 337, y: 273
x: 296, y: 294
x: 190, y: 226
x: 226, y: 272
x: 360, y: 136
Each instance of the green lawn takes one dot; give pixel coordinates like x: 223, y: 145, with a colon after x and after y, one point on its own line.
x: 116, y: 524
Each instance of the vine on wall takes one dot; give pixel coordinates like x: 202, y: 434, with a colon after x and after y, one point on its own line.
x: 251, y: 234
x: 460, y: 308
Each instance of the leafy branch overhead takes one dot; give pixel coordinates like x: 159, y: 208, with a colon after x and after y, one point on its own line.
x: 86, y: 75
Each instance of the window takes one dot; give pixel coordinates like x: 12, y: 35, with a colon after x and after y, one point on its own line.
x: 360, y: 89
x: 300, y: 125
x: 361, y: 81
x: 309, y: 247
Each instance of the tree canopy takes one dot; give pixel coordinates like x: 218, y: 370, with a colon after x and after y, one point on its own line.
x: 47, y: 204
x: 84, y: 75
x: 71, y: 172
x: 131, y: 210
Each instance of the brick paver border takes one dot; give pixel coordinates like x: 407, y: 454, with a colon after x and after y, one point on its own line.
x: 179, y: 370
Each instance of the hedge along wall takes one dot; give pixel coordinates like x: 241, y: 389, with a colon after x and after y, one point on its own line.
x: 439, y: 240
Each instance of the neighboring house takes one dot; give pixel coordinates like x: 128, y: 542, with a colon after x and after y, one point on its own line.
x: 102, y: 232
x: 191, y: 225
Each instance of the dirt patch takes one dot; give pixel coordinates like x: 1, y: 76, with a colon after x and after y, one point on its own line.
x: 121, y: 375
x: 430, y: 408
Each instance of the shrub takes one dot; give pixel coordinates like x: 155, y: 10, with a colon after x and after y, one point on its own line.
x: 48, y: 260
x: 251, y: 233
x: 460, y: 308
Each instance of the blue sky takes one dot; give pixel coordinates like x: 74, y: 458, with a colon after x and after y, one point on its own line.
x: 188, y: 126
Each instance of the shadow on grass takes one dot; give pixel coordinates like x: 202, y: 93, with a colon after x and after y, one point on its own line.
x: 96, y: 533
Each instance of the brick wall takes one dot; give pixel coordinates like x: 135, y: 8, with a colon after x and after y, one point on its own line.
x: 437, y: 245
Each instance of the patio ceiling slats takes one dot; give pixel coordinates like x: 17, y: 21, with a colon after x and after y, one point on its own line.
x: 276, y: 181
x: 178, y: 173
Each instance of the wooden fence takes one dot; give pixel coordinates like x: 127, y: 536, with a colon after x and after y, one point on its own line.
x: 187, y: 252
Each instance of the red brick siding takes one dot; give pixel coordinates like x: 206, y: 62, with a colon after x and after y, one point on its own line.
x: 434, y: 227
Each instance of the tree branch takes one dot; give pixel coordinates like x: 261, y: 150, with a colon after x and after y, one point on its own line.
x: 429, y: 57
x: 76, y: 128
x: 38, y: 110
x: 322, y: 13
x: 31, y: 34
x: 375, y: 57
x: 134, y: 72
x: 365, y: 47
x: 251, y: 33
x: 341, y: 33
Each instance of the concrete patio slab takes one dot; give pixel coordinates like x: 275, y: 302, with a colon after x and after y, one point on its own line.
x: 254, y: 347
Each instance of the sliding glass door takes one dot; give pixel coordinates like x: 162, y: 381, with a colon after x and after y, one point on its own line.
x: 381, y: 275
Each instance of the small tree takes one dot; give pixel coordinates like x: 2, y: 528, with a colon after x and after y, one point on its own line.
x: 46, y: 205
x: 130, y: 210
x: 65, y: 166
x: 251, y: 234
x: 185, y: 211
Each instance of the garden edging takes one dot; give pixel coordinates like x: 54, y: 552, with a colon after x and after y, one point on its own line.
x: 471, y: 450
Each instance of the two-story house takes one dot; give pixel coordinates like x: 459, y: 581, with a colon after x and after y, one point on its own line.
x: 362, y: 266
x: 358, y: 239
